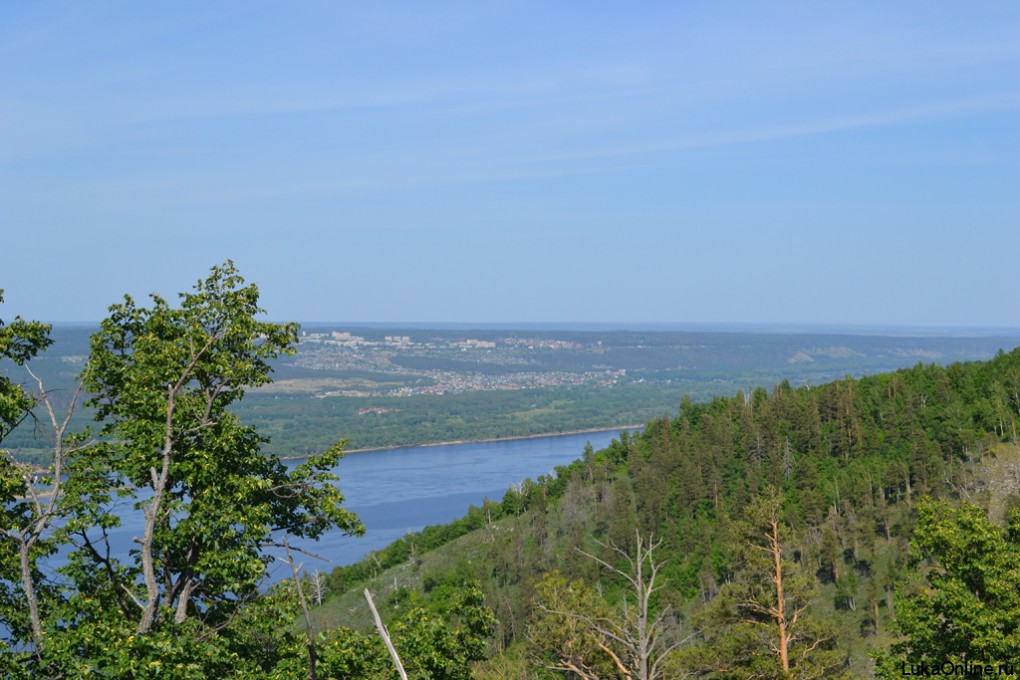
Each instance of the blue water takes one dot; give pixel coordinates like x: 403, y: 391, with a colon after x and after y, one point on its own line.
x: 402, y: 490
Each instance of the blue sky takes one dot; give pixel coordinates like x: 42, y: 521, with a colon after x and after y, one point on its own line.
x: 829, y: 163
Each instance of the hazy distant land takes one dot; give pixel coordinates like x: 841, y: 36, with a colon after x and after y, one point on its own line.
x: 380, y: 386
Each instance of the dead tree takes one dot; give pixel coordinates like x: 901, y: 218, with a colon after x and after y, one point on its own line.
x: 384, y: 634
x: 635, y: 638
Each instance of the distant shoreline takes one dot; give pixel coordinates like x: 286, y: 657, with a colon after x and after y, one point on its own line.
x: 483, y: 441
x: 706, y: 327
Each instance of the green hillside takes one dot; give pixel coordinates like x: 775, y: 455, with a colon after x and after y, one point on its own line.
x: 839, y: 471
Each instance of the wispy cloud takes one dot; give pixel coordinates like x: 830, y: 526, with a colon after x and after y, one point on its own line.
x: 934, y: 111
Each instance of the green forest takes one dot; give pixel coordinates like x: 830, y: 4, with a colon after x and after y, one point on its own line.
x: 863, y: 527
x: 840, y: 530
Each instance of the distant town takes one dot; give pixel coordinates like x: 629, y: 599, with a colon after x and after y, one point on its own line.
x: 482, y: 364
x: 347, y: 339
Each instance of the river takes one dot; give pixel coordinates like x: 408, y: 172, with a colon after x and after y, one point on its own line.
x: 400, y: 490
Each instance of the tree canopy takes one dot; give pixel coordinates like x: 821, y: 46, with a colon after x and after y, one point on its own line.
x: 161, y: 379
x: 964, y: 608
x: 19, y: 341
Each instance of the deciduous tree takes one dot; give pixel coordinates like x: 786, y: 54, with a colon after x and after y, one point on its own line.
x: 965, y: 604
x: 19, y: 341
x: 213, y: 505
x: 162, y: 379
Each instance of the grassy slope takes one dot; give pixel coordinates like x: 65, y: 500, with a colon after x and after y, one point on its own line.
x: 350, y: 609
x: 468, y: 556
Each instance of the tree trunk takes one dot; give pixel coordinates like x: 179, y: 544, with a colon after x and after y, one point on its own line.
x: 151, y: 512
x: 385, y: 637
x: 784, y: 633
x: 28, y: 584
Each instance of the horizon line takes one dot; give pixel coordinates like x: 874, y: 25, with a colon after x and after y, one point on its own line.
x: 653, y: 326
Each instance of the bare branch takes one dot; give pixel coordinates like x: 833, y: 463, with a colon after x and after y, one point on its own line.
x: 309, y: 629
x: 284, y: 544
x: 616, y: 659
x: 385, y: 636
x: 637, y: 635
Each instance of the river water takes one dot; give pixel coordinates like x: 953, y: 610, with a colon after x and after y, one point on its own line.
x: 401, y: 490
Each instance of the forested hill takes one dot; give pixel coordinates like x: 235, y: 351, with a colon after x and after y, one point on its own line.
x: 814, y: 488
